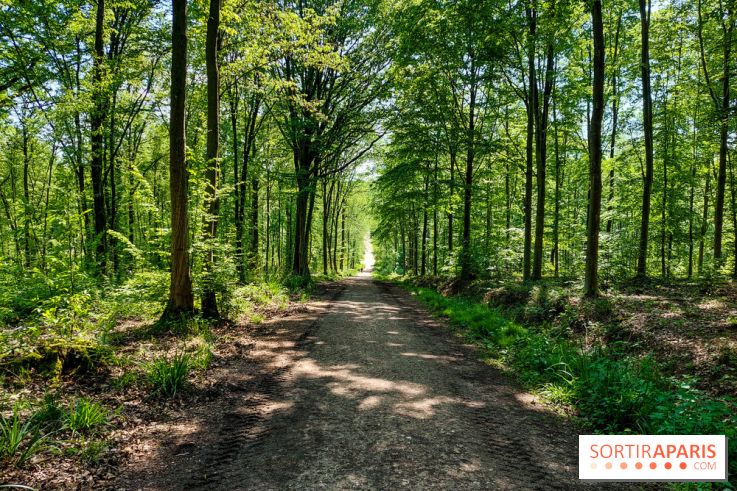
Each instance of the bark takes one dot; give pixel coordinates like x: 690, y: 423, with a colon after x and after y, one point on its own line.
x: 647, y: 119
x: 26, y: 199
x: 555, y: 255
x: 180, y: 292
x: 723, y: 142
x: 615, y: 115
x: 704, y: 224
x: 97, y: 119
x: 531, y: 104
x: 212, y: 171
x: 591, y: 281
x: 466, y: 272
x: 541, y: 137
x: 423, y: 265
x: 450, y: 205
x: 254, y: 248
x: 722, y: 107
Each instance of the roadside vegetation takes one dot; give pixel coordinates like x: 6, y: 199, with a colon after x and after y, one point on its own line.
x: 81, y: 372
x: 577, y: 356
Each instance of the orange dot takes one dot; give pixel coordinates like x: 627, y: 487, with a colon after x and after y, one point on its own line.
x: 683, y: 465
x: 593, y: 465
x: 608, y: 465
x: 638, y: 465
x: 668, y: 465
x: 623, y: 465
x: 653, y: 465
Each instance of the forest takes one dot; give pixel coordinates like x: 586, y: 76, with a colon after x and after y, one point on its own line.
x: 554, y: 178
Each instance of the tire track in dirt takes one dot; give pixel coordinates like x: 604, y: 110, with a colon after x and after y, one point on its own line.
x: 366, y: 390
x: 242, y: 429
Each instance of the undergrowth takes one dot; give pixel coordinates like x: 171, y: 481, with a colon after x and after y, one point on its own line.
x: 609, y: 390
x: 52, y: 426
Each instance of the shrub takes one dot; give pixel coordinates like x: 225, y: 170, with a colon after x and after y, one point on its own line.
x: 509, y: 295
x: 168, y: 376
x: 19, y: 440
x: 50, y: 414
x: 615, y: 394
x: 85, y: 415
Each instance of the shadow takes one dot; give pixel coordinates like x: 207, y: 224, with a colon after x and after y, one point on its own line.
x: 329, y: 399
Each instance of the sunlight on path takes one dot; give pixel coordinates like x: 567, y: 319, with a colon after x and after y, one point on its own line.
x: 368, y: 255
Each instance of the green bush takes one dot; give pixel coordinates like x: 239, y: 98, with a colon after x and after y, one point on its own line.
x: 85, y: 415
x: 19, y: 440
x: 612, y: 391
x: 168, y: 376
x: 50, y: 414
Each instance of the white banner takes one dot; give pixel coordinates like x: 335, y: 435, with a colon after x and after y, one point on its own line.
x: 652, y: 457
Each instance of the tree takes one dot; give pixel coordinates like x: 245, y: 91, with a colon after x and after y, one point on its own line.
x: 97, y: 137
x: 647, y: 121
x: 212, y: 200
x: 181, y: 299
x: 591, y: 280
x: 725, y: 13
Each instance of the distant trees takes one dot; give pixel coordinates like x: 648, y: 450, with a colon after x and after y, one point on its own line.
x: 486, y: 126
x: 556, y: 92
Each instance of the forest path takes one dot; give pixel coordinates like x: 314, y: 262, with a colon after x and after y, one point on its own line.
x: 365, y: 390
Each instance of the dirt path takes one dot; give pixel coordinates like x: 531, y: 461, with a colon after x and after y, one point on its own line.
x: 363, y: 390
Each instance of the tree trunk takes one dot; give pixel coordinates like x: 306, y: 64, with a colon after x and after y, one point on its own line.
x: 97, y: 119
x: 254, y: 249
x: 647, y: 119
x: 591, y: 281
x: 723, y: 142
x: 704, y: 224
x: 342, y: 238
x: 435, y: 220
x: 180, y: 291
x: 212, y: 171
x: 468, y: 183
x: 555, y: 256
x: 531, y: 104
x: 26, y: 199
x: 541, y: 160
x: 423, y: 264
x: 325, y: 215
x: 450, y: 205
x: 615, y: 114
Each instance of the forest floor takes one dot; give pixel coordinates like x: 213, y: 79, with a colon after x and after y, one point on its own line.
x: 358, y: 388
x: 690, y: 329
x: 362, y: 389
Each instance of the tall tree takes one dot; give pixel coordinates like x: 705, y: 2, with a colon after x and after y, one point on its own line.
x: 591, y: 280
x: 97, y: 137
x: 647, y: 122
x: 725, y: 13
x: 181, y: 299
x: 212, y: 172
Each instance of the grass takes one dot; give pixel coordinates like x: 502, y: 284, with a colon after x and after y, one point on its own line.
x: 84, y: 416
x: 168, y: 376
x: 611, y: 391
x: 19, y: 440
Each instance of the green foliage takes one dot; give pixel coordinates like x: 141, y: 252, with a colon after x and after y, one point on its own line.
x: 19, y: 439
x: 85, y: 416
x: 168, y: 376
x: 611, y: 391
x: 140, y: 297
x: 245, y: 298
x: 51, y: 414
